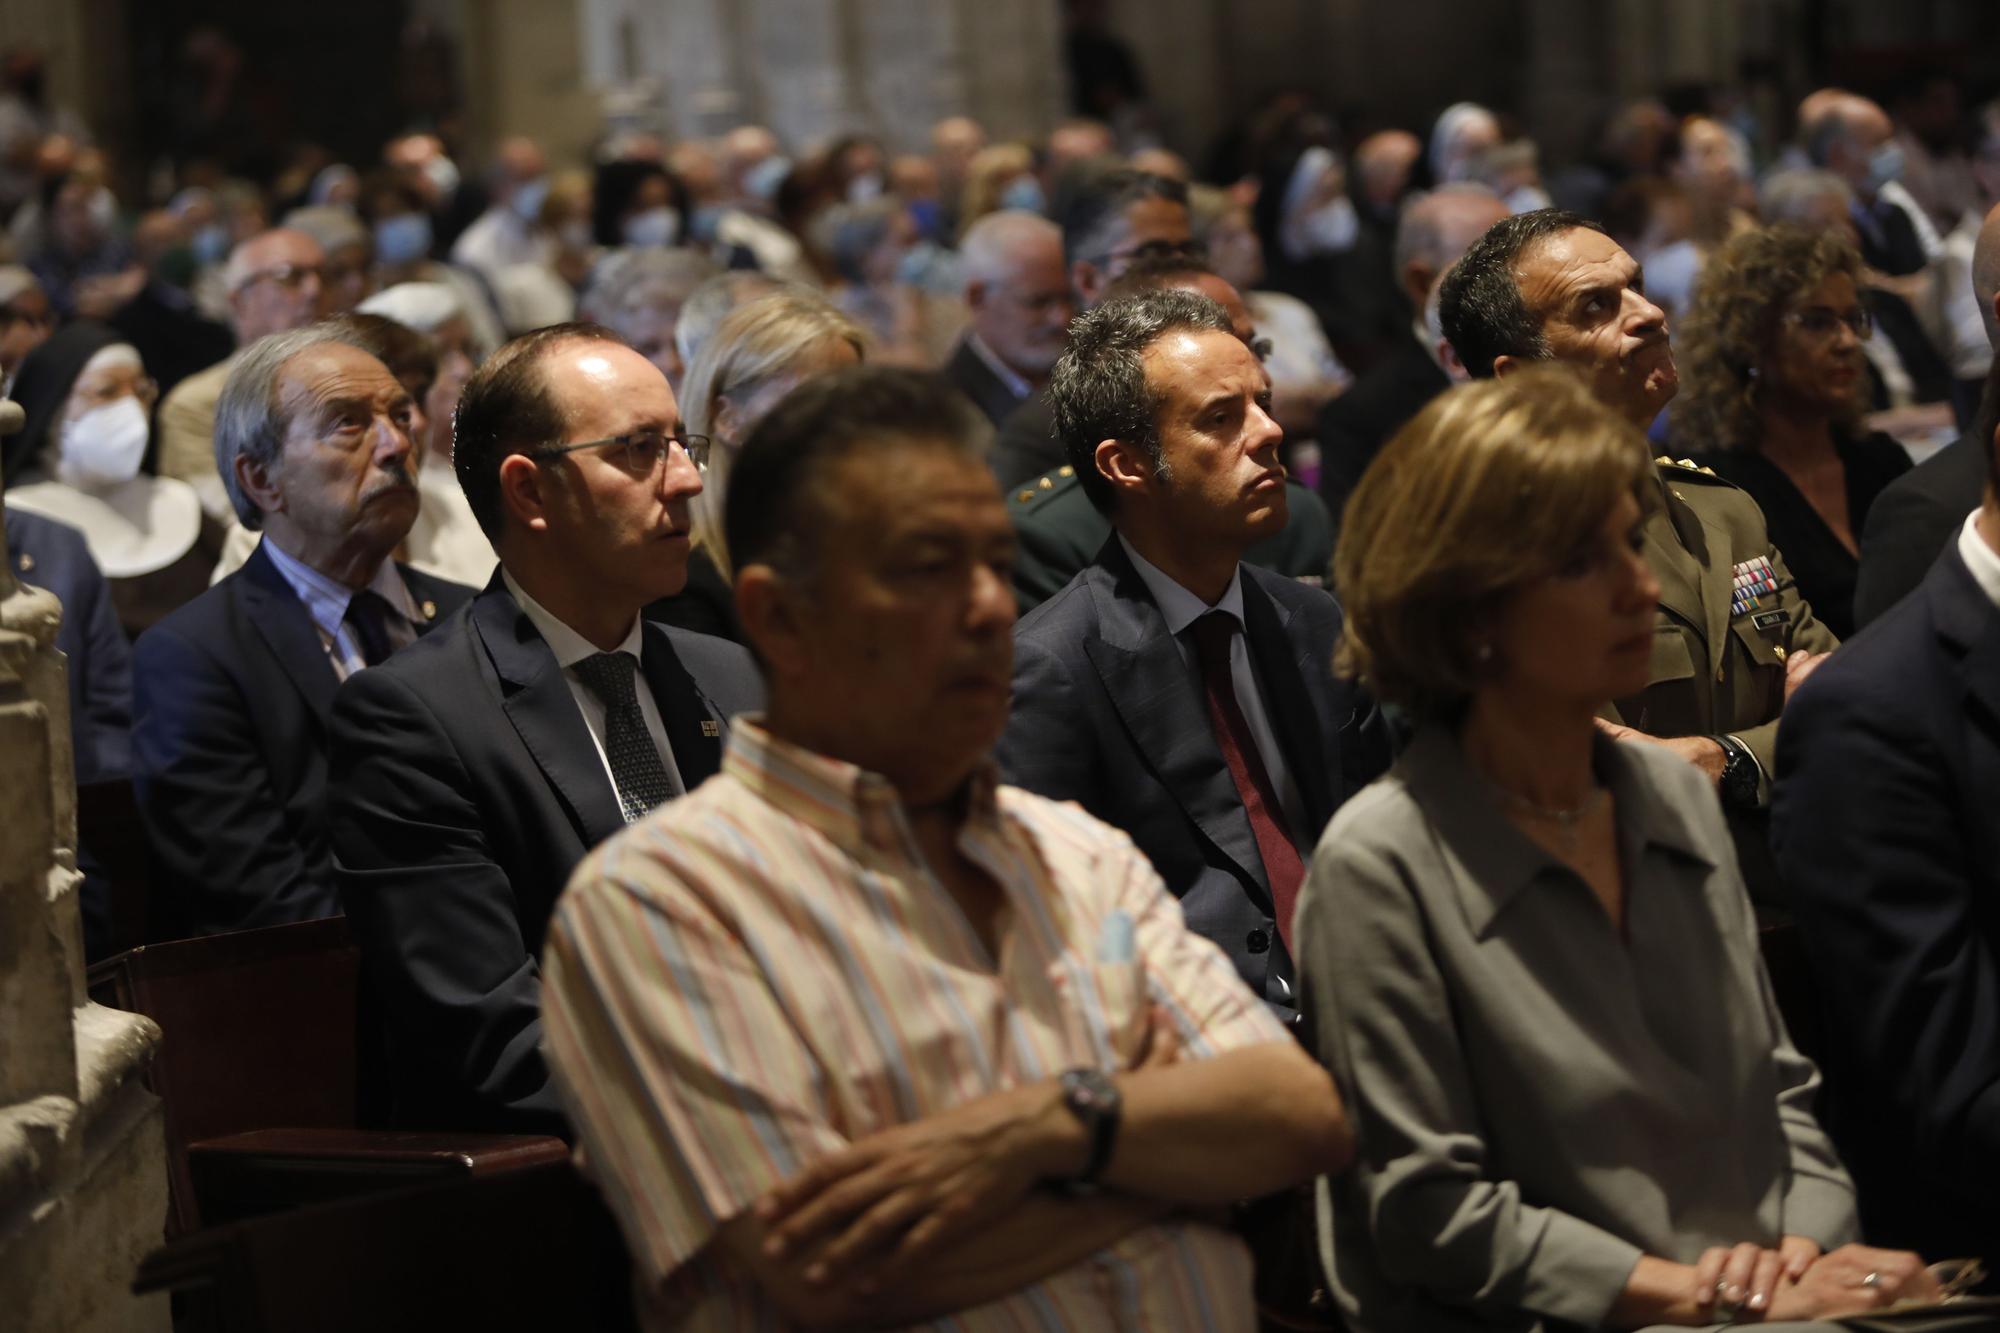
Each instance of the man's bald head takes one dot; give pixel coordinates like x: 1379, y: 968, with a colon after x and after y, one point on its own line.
x: 1436, y: 228
x: 1986, y: 275
x: 1842, y: 134
x: 273, y: 280
x: 1382, y: 164
x: 520, y: 159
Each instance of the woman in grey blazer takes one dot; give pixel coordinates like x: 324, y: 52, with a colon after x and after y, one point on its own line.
x: 1526, y: 953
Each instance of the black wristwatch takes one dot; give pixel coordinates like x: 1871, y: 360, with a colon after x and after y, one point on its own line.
x: 1740, y: 774
x: 1091, y: 1096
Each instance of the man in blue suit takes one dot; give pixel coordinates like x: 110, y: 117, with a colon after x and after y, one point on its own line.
x: 1170, y: 689
x: 229, y: 738
x: 1887, y: 826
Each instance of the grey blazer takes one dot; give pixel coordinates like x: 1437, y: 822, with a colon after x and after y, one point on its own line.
x: 1538, y: 1101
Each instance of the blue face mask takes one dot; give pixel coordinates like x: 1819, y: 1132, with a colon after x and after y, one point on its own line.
x: 1025, y: 193
x: 210, y: 244
x: 654, y: 227
x: 403, y: 239
x: 529, y: 198
x: 927, y: 215
x: 1885, y: 164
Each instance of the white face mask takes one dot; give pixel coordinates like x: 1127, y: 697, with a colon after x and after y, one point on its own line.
x: 1329, y: 229
x: 104, y: 446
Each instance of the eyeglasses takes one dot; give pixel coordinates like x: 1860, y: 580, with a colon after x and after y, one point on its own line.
x: 639, y: 453
x: 1819, y: 322
x: 143, y: 388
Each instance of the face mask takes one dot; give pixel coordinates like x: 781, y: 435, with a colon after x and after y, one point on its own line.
x: 575, y: 234
x: 762, y: 181
x: 403, y: 239
x: 1025, y: 193
x: 864, y: 187
x: 104, y: 446
x: 210, y: 244
x: 103, y: 210
x: 442, y: 172
x: 1527, y: 198
x: 1885, y: 164
x: 529, y: 198
x: 926, y: 214
x: 1329, y: 229
x: 654, y: 227
x: 707, y: 221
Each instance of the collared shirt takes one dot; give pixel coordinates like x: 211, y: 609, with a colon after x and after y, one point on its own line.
x: 1005, y: 373
x: 1181, y: 609
x: 326, y: 602
x: 1555, y: 1095
x: 571, y: 648
x: 1980, y: 559
x: 767, y: 970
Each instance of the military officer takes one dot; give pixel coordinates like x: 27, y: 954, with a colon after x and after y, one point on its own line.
x: 1733, y: 637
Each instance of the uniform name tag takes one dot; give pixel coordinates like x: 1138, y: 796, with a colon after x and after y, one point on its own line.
x: 1772, y: 619
x: 710, y: 728
x: 1750, y: 583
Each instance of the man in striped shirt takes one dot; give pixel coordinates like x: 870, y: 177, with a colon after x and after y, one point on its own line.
x: 852, y: 1033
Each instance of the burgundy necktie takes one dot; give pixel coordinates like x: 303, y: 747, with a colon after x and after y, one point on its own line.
x: 1282, y: 866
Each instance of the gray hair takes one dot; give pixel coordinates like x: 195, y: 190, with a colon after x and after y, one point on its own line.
x: 1420, y: 226
x: 1788, y: 196
x: 249, y: 421
x: 990, y: 246
x: 1099, y: 389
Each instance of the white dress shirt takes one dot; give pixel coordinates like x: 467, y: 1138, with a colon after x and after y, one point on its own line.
x: 1181, y: 609
x: 571, y: 648
x: 326, y: 602
x: 1980, y: 558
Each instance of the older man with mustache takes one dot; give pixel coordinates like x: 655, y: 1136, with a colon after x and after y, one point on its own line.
x: 233, y: 690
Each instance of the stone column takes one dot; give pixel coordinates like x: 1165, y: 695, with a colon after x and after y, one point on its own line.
x: 83, y: 1185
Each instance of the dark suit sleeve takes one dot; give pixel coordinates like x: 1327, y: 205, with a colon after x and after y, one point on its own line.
x: 1046, y: 557
x: 1046, y: 747
x: 104, y: 727
x: 434, y: 915
x: 1864, y: 826
x: 221, y: 842
x: 1905, y: 531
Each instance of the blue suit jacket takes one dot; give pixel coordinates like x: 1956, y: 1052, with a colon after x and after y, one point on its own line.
x: 54, y: 556
x: 465, y: 789
x: 229, y: 753
x: 1886, y: 823
x: 1107, y: 714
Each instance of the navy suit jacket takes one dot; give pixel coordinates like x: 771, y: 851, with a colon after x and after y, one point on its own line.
x: 1886, y: 822
x: 465, y: 788
x: 1108, y: 714
x: 229, y: 740
x: 968, y: 372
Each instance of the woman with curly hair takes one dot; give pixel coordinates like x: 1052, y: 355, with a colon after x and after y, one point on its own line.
x: 1774, y: 383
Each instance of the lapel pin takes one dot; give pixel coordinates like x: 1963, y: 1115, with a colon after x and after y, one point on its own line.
x: 27, y: 562
x: 711, y: 728
x: 430, y: 610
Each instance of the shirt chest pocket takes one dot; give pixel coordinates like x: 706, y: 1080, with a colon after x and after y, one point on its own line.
x: 1104, y: 1010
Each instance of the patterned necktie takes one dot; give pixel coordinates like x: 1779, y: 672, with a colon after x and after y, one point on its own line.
x: 367, y: 616
x: 1283, y: 867
x: 636, y: 770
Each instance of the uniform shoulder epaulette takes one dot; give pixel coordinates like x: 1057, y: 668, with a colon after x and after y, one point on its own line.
x: 1043, y: 486
x: 1689, y: 465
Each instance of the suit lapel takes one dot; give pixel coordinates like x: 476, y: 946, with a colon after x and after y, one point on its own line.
x: 1281, y: 668
x: 537, y: 700
x: 281, y: 618
x: 436, y: 599
x: 694, y: 729
x: 1670, y: 535
x: 1151, y: 687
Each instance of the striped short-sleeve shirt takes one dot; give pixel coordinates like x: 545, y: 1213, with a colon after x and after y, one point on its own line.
x: 765, y: 970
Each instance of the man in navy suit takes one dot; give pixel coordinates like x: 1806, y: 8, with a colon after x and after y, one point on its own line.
x: 1170, y: 689
x: 473, y: 773
x: 1887, y: 825
x: 229, y: 735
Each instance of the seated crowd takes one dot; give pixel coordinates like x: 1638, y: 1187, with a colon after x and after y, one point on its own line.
x: 1003, y: 737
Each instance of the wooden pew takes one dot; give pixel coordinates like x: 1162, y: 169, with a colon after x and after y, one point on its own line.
x: 257, y: 1071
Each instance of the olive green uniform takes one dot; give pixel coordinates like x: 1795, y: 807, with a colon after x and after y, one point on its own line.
x: 1060, y: 531
x: 1717, y: 671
